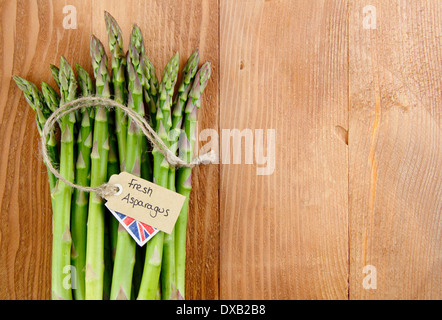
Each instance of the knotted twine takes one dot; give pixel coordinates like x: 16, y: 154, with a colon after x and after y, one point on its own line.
x: 106, y: 189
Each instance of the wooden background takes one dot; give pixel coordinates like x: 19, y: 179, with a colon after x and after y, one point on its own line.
x: 358, y: 150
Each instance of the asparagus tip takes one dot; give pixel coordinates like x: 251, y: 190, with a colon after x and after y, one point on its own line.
x: 20, y: 82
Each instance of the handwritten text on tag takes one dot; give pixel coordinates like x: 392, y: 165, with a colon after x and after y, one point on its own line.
x: 145, y: 201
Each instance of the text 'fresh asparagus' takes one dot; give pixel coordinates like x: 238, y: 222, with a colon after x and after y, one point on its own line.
x: 145, y: 201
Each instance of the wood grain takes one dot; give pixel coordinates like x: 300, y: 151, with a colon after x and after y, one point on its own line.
x: 284, y: 67
x: 358, y: 152
x: 395, y: 93
x: 32, y: 37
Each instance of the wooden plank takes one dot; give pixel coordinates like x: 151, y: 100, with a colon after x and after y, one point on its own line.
x: 284, y: 67
x: 395, y: 160
x: 170, y: 26
x: 33, y: 36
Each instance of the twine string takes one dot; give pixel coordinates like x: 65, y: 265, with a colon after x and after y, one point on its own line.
x: 106, y: 190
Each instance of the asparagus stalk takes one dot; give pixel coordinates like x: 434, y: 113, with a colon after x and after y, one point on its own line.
x: 118, y: 63
x: 144, y: 70
x: 149, y: 96
x: 152, y: 90
x: 80, y: 198
x: 55, y: 71
x: 99, y: 160
x: 51, y: 97
x: 183, y: 182
x: 61, y: 240
x: 150, y: 86
x: 154, y: 248
x: 125, y: 253
x: 189, y: 72
x: 168, y: 272
x: 61, y: 194
x: 52, y: 100
x: 117, y: 151
x: 166, y: 92
x: 125, y: 250
x: 111, y: 223
x: 113, y: 168
x: 37, y: 102
x: 43, y: 104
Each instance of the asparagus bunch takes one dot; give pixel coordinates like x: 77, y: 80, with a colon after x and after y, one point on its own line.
x: 96, y: 143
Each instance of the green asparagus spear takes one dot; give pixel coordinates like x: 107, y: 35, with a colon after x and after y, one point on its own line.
x: 118, y: 63
x: 61, y: 255
x: 61, y: 194
x: 154, y: 248
x: 37, y: 101
x: 152, y: 91
x: 168, y: 271
x: 111, y: 223
x: 189, y: 71
x: 146, y: 161
x: 55, y: 71
x: 52, y: 100
x: 188, y: 74
x: 51, y: 97
x: 183, y: 182
x: 117, y: 140
x: 166, y: 92
x: 43, y: 104
x: 125, y: 253
x: 99, y: 160
x: 80, y: 199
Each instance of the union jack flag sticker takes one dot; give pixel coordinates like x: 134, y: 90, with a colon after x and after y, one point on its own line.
x: 139, y: 231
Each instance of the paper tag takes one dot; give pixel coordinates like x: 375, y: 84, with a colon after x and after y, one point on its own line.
x: 145, y: 201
